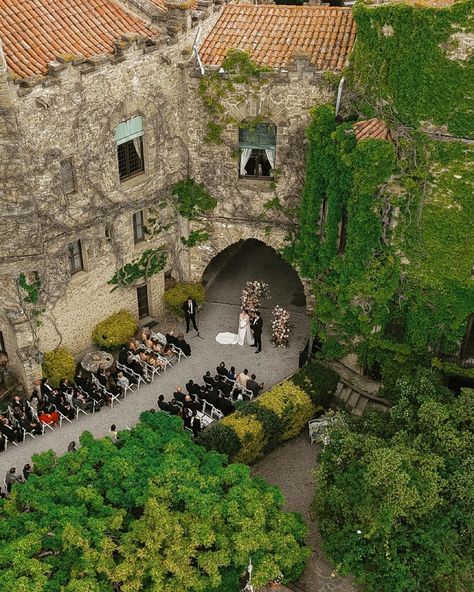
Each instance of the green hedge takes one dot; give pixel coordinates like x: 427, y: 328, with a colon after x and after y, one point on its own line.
x: 115, y: 330
x: 59, y: 364
x: 318, y: 381
x: 174, y: 297
x: 259, y: 426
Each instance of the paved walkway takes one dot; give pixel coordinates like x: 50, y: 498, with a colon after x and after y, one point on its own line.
x: 271, y: 366
x: 291, y: 467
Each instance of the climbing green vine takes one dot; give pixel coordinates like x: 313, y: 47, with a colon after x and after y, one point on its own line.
x: 216, y: 87
x: 149, y: 263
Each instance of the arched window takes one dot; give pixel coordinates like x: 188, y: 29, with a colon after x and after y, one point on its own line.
x: 257, y: 145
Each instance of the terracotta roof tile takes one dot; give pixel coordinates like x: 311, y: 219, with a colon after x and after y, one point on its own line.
x: 371, y: 128
x: 33, y: 31
x: 271, y: 34
x: 162, y: 4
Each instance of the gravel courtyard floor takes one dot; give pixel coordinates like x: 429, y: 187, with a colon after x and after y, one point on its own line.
x: 290, y: 467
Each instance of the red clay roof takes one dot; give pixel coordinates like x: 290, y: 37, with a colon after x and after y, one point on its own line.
x: 371, y: 128
x: 271, y: 34
x: 162, y: 4
x: 33, y: 31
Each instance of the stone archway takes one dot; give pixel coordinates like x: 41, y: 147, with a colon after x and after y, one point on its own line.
x: 225, y: 235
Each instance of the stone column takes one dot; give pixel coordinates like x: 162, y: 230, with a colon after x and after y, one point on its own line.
x: 179, y: 16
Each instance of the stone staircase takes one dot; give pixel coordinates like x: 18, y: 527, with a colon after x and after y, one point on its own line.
x: 356, y: 401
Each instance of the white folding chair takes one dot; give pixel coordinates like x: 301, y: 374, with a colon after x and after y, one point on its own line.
x: 139, y: 379
x: 179, y: 352
x: 216, y: 413
x: 62, y: 417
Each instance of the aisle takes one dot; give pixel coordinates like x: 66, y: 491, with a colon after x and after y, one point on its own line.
x: 271, y: 366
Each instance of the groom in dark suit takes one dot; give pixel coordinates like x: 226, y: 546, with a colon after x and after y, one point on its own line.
x: 190, y: 308
x: 257, y: 326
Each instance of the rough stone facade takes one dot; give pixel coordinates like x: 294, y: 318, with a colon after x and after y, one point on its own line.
x: 73, y: 113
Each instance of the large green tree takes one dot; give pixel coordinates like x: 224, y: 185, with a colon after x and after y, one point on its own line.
x: 395, y: 494
x: 155, y: 513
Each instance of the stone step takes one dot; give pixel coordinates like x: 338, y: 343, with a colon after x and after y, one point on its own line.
x: 345, y: 394
x: 340, y: 386
x: 352, y: 400
x: 360, y: 406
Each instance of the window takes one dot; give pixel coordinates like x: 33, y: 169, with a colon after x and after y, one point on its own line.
x: 142, y: 301
x: 128, y: 137
x: 342, y: 232
x: 68, y: 176
x: 257, y: 151
x: 138, y: 227
x: 2, y: 344
x: 75, y: 257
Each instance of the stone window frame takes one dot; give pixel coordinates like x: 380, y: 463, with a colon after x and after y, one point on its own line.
x: 138, y: 229
x: 2, y: 344
x: 72, y: 180
x: 260, y: 148
x: 75, y: 256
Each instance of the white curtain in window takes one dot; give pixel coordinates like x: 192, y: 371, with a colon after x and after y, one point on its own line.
x: 138, y: 147
x: 244, y: 158
x: 271, y: 156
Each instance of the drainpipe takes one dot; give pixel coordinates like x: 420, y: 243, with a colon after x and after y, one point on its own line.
x: 196, y: 51
x: 339, y: 94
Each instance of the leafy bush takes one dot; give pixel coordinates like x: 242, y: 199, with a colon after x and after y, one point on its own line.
x: 157, y: 513
x: 115, y: 330
x: 174, y: 297
x: 59, y: 364
x: 219, y: 437
x: 318, y: 381
x: 394, y: 495
x: 250, y: 434
x: 272, y: 424
x: 292, y: 405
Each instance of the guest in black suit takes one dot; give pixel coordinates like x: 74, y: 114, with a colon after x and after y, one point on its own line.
x: 257, y: 326
x: 179, y: 395
x: 224, y: 405
x: 190, y: 309
x: 195, y: 424
x: 208, y: 379
x: 174, y: 408
x: 162, y: 404
x: 183, y: 345
x: 193, y: 389
x: 222, y: 370
x: 253, y: 385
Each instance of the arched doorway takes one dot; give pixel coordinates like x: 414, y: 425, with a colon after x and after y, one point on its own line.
x: 251, y: 259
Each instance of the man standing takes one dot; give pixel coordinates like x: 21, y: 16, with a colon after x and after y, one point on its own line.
x: 257, y: 326
x: 190, y: 308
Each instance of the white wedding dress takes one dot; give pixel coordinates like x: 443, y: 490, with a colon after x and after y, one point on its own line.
x: 243, y: 336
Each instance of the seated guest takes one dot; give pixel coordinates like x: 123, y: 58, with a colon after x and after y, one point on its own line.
x: 231, y: 373
x: 64, y: 388
x: 174, y: 408
x: 254, y: 386
x: 193, y: 389
x: 189, y: 403
x: 224, y: 405
x: 101, y: 376
x: 46, y: 388
x: 26, y: 471
x: 163, y: 405
x: 34, y: 402
x: 122, y: 381
x: 195, y: 424
x: 82, y: 401
x: 208, y: 378
x: 170, y: 338
x: 29, y: 426
x: 242, y: 378
x: 224, y: 386
x: 222, y: 370
x: 122, y: 357
x: 48, y: 417
x: 11, y: 478
x: 7, y: 429
x: 183, y: 345
x: 18, y: 402
x: 212, y: 397
x: 178, y: 394
x: 187, y: 415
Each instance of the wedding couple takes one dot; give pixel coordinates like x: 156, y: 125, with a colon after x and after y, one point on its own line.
x: 248, y: 326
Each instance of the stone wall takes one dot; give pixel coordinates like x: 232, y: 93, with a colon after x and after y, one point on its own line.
x: 73, y: 113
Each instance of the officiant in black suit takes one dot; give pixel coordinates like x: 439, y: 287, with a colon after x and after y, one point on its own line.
x: 190, y: 308
x: 256, y: 326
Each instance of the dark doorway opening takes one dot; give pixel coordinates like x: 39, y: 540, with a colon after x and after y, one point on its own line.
x: 249, y: 260
x: 142, y: 301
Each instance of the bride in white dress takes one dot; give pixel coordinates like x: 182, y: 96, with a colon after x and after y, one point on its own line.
x: 243, y: 336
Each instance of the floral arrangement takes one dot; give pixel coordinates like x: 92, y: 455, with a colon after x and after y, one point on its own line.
x: 280, y: 327
x: 251, y: 294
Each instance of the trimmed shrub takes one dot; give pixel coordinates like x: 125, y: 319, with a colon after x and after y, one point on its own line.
x: 318, y: 381
x: 59, y: 364
x: 272, y: 424
x: 115, y: 330
x: 251, y: 436
x: 219, y: 437
x: 292, y: 405
x: 174, y: 297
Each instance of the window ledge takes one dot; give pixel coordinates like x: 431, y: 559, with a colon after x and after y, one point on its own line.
x: 253, y: 184
x: 78, y: 275
x: 134, y: 181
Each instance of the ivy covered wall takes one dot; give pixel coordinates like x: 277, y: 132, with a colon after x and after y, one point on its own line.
x: 403, y: 284
x: 415, y: 64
